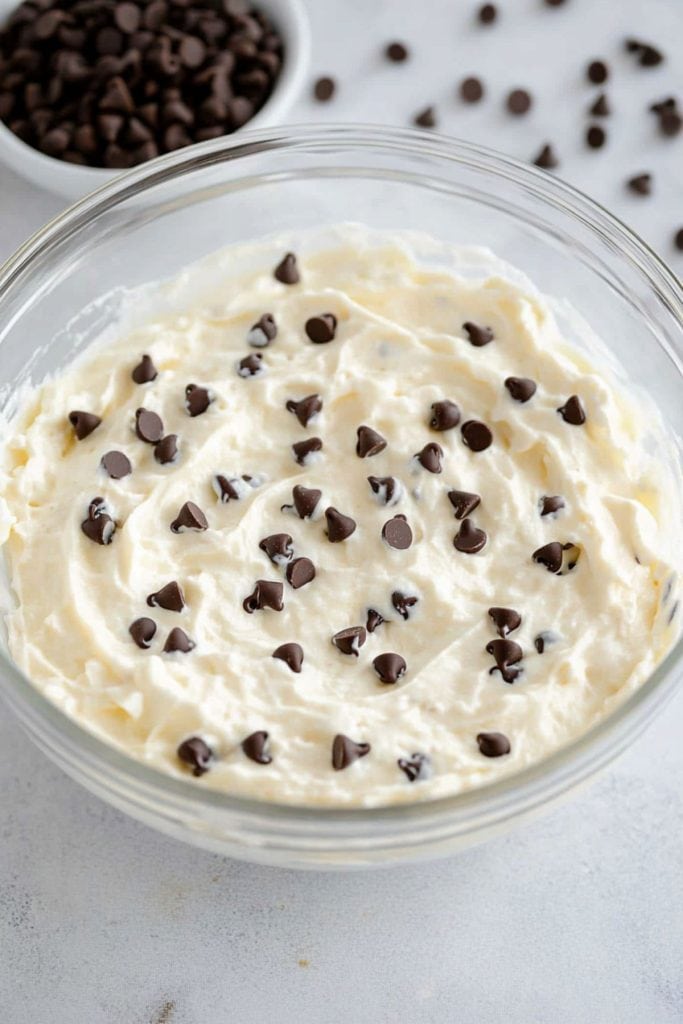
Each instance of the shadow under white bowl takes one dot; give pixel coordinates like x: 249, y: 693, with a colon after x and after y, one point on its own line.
x: 73, y: 180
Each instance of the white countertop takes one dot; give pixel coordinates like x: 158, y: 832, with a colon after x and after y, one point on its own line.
x: 576, y: 918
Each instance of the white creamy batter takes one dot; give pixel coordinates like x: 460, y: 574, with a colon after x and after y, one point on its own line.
x: 399, y: 346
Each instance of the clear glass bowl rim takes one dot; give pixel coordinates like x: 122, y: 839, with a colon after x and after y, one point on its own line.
x: 85, y: 756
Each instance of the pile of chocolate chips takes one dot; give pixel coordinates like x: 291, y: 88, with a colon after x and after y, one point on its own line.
x: 112, y: 84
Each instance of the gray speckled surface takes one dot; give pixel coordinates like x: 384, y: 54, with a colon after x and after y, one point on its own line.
x: 577, y: 917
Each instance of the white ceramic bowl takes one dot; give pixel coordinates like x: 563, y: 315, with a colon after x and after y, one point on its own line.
x: 74, y: 181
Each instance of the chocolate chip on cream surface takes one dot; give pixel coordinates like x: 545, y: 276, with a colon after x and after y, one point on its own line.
x: 398, y: 553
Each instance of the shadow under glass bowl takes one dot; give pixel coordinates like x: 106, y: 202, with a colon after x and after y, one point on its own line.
x: 149, y: 224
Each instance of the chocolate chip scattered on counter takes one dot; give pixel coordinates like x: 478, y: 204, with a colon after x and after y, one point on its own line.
x: 469, y: 539
x: 305, y: 501
x: 550, y: 504
x: 648, y: 56
x: 670, y: 119
x: 415, y: 767
x: 178, y: 641
x: 550, y: 555
x: 143, y: 631
x: 305, y: 409
x: 487, y: 14
x: 197, y: 754
x: 554, y: 3
x: 388, y: 489
x: 640, y: 184
x: 374, y: 619
x: 170, y: 597
x: 145, y: 371
x: 403, y: 603
x: 546, y: 158
x: 678, y: 240
x: 278, y: 547
x: 148, y: 426
x: 266, y: 594
x: 251, y: 366
x: 425, y: 118
x: 397, y: 533
x: 262, y: 332
x: 321, y: 329
x: 464, y: 503
x: 572, y: 411
x: 166, y: 450
x: 197, y: 399
x: 389, y: 667
x: 369, y: 442
x: 493, y: 744
x: 349, y: 641
x: 396, y: 52
x: 339, y: 526
x: 430, y: 457
x: 597, y: 72
x: 190, y: 517
x: 506, y: 620
x: 596, y: 136
x: 302, y: 450
x: 543, y: 639
x: 300, y: 572
x: 471, y: 89
x: 445, y: 415
x: 254, y: 746
x: 287, y: 270
x: 292, y: 655
x: 521, y: 388
x: 477, y: 335
x: 519, y: 102
x: 506, y: 654
x: 601, y: 107
x: 83, y: 423
x: 345, y: 751
x: 117, y: 465
x: 324, y: 88
x: 476, y: 435
x: 99, y: 526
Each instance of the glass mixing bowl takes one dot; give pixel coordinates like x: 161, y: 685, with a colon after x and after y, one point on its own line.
x: 156, y: 219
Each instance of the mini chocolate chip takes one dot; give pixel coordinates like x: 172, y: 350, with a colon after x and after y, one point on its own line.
x: 396, y: 52
x: 305, y: 501
x: 464, y: 503
x: 323, y: 89
x: 415, y: 767
x: 519, y: 101
x: 305, y: 409
x: 543, y: 639
x: 403, y: 603
x: 345, y: 751
x: 521, y: 388
x: 166, y: 450
x: 477, y: 436
x: 478, y: 336
x: 373, y: 620
x: 291, y: 654
x: 506, y: 653
x: 228, y: 488
x: 670, y: 123
x: 278, y: 547
x: 487, y: 14
x: 287, y: 271
x: 641, y: 184
x: 678, y: 239
x: 601, y: 107
x: 254, y: 746
x: 546, y: 158
x: 397, y: 533
x: 148, y: 426
x: 549, y: 504
x: 425, y: 118
x: 178, y: 640
x: 349, y: 641
x: 445, y: 415
x: 506, y: 620
x: 117, y: 465
x: 321, y: 329
x: 471, y: 90
x: 195, y: 752
x: 300, y: 572
x: 596, y: 136
x: 190, y: 517
x: 83, y: 423
x: 389, y: 667
x: 493, y: 744
x: 597, y: 72
x: 388, y: 489
x: 197, y: 399
x: 251, y: 366
x: 430, y: 457
x: 99, y: 525
x: 143, y: 631
x: 550, y: 555
x: 469, y: 539
x: 648, y: 56
x: 369, y: 442
x: 304, y: 449
x: 262, y: 332
x: 266, y: 594
x: 339, y: 526
x: 572, y: 411
x: 170, y: 597
x: 145, y: 371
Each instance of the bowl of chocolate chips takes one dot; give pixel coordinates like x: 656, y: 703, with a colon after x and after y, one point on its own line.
x: 89, y: 88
